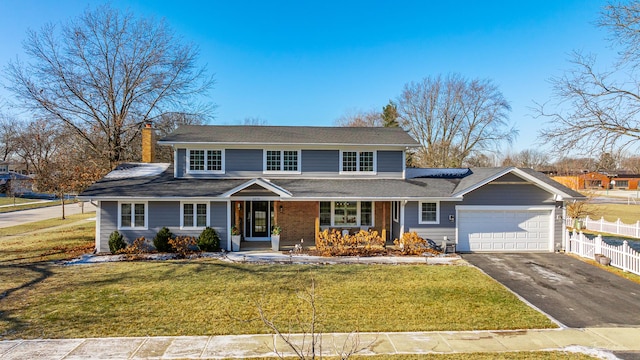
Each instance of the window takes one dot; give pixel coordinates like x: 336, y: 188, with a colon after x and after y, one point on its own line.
x: 194, y: 215
x: 346, y: 213
x: 282, y: 161
x: 358, y: 162
x: 325, y: 213
x: 133, y: 216
x: 206, y: 161
x: 622, y: 183
x: 429, y: 213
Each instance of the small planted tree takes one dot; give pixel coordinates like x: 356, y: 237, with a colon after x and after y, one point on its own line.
x: 161, y: 240
x: 209, y: 240
x: 116, y: 242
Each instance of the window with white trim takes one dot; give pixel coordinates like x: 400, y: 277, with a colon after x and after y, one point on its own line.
x: 132, y: 215
x: 282, y: 161
x: 206, y: 161
x: 357, y: 161
x: 346, y: 213
x: 429, y: 212
x: 194, y: 215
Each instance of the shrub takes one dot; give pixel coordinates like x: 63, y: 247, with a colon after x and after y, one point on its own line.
x: 364, y: 243
x: 183, y: 245
x: 135, y: 250
x: 412, y: 244
x: 209, y: 240
x: 116, y: 242
x: 161, y: 240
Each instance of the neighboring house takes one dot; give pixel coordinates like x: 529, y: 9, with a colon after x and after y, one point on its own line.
x: 15, y: 184
x: 597, y: 180
x: 306, y: 179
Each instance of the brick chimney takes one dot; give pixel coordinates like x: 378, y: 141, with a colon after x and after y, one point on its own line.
x: 148, y: 144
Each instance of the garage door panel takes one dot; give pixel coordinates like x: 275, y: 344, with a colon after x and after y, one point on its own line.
x: 504, y: 230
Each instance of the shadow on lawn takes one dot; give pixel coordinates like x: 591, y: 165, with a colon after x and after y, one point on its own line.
x: 42, y: 272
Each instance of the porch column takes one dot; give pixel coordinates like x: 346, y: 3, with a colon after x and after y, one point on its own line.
x: 383, y: 233
x: 402, y: 204
x: 276, y: 211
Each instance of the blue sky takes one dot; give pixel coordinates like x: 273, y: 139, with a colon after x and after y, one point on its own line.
x: 309, y: 62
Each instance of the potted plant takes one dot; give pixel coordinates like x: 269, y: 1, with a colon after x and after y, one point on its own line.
x: 275, y: 238
x: 235, y: 238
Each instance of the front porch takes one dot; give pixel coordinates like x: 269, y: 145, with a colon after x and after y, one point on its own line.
x: 303, y: 220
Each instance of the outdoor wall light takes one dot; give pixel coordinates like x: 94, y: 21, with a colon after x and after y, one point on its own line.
x: 281, y: 209
x: 452, y: 218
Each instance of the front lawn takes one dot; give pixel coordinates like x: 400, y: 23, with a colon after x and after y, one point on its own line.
x: 40, y: 299
x: 628, y: 214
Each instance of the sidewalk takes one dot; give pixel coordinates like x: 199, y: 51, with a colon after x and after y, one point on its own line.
x: 593, y: 341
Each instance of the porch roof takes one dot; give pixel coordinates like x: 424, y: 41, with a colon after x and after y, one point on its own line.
x: 164, y: 185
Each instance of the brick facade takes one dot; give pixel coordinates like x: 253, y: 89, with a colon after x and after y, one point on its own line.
x: 297, y: 220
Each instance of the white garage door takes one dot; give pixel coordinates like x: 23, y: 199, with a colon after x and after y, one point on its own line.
x: 504, y: 230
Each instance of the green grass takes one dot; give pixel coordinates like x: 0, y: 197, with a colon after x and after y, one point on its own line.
x: 44, y: 224
x: 33, y: 206
x: 210, y: 297
x: 629, y: 214
x: 17, y: 201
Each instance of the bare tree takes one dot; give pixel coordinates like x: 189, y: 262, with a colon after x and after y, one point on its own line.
x: 631, y: 164
x: 359, y: 118
x: 527, y: 158
x: 60, y: 165
x: 454, y: 118
x: 105, y: 74
x: 596, y: 110
x: 9, y: 128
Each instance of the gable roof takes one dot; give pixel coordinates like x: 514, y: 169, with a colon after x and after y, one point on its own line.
x: 482, y: 176
x: 289, y: 135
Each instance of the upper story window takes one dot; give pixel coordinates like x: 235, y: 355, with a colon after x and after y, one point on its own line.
x: 282, y: 161
x: 429, y: 212
x: 357, y: 161
x: 132, y: 215
x: 209, y: 161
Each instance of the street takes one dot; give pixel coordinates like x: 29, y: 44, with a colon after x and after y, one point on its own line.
x: 25, y: 216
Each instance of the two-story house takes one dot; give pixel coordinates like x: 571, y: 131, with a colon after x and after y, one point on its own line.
x: 306, y: 179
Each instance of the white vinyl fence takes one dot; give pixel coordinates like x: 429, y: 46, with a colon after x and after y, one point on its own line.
x: 622, y: 256
x: 617, y: 228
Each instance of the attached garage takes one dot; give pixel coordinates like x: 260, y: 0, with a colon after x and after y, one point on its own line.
x: 504, y: 229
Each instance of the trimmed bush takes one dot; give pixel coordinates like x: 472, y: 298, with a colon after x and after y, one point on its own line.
x: 184, y: 245
x: 209, y: 240
x: 161, y: 240
x: 116, y: 242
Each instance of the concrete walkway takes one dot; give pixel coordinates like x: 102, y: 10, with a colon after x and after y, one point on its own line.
x: 600, y: 342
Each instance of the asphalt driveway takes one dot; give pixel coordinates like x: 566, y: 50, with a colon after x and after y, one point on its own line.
x: 576, y: 294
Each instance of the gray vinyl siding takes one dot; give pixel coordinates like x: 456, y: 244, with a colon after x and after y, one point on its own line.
x: 559, y: 227
x: 242, y: 161
x: 249, y: 163
x: 108, y: 223
x: 435, y: 232
x: 390, y: 163
x: 160, y: 214
x: 181, y: 163
x: 319, y: 163
x: 509, y: 194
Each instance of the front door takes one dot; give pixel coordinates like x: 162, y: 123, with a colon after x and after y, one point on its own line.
x: 258, y: 219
